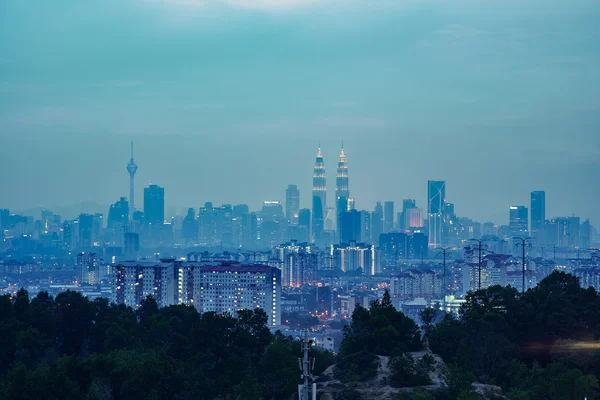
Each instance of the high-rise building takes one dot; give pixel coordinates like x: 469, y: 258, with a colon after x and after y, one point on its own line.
x: 133, y: 281
x: 354, y: 257
x: 350, y: 226
x: 319, y: 198
x: 89, y: 267
x: 190, y: 227
x: 538, y: 213
x: 342, y: 191
x: 376, y: 223
x: 131, y: 169
x: 231, y: 287
x: 388, y: 216
x: 86, y: 236
x: 292, y: 203
x: 298, y: 262
x: 407, y: 204
x: 519, y: 217
x: 436, y: 196
x: 118, y: 214
x: 154, y: 205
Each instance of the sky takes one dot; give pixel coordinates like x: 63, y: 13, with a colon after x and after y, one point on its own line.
x: 228, y: 100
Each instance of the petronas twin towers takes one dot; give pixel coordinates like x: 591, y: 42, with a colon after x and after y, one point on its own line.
x: 342, y: 193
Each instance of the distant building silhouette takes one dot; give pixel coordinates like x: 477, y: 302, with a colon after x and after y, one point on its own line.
x: 538, y: 214
x: 436, y: 196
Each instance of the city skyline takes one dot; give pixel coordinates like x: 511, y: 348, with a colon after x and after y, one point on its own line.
x: 331, y: 187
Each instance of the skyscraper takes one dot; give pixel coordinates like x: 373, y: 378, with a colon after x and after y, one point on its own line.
x: 132, y: 169
x: 436, y: 195
x: 342, y: 191
x: 154, y: 205
x: 319, y: 198
x: 292, y: 203
x: 518, y: 220
x: 376, y: 223
x: 538, y: 214
x: 388, y: 216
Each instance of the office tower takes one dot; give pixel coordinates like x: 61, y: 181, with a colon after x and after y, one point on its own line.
x: 351, y: 226
x: 436, y: 195
x: 376, y: 223
x: 365, y: 233
x: 538, y: 214
x: 292, y: 203
x: 407, y: 204
x: 319, y: 198
x: 88, y: 265
x: 86, y: 237
x: 240, y: 209
x: 388, y: 216
x: 518, y: 224
x: 301, y: 231
x: 190, y: 227
x: 230, y: 288
x: 132, y: 169
x: 133, y: 281
x: 249, y: 231
x: 132, y: 245
x: 154, y: 205
x: 118, y: 215
x: 342, y: 191
x: 396, y: 246
x: 272, y: 210
x: 414, y: 219
x: 355, y: 257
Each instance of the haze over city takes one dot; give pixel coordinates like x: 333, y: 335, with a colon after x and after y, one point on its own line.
x: 228, y: 101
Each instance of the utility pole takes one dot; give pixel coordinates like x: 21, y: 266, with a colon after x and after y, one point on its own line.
x: 444, y: 251
x: 306, y: 367
x: 479, y: 247
x: 523, y: 243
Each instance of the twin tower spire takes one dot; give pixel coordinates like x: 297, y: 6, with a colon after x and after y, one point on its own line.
x: 342, y: 191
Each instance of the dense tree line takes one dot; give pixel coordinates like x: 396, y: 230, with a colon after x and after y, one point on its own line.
x: 73, y: 348
x: 542, y: 344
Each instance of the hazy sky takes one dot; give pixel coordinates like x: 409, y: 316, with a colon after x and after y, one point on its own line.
x: 228, y: 100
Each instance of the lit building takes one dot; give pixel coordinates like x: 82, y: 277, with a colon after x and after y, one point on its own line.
x: 538, y: 214
x: 133, y: 281
x: 319, y: 198
x: 377, y: 222
x: 588, y: 277
x: 90, y: 268
x: 519, y: 218
x: 292, y: 204
x: 230, y: 288
x: 396, y: 246
x: 342, y: 190
x: 299, y: 262
x: 356, y: 257
x: 436, y: 196
x: 416, y: 283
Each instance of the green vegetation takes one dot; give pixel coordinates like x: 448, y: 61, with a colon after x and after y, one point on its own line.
x: 531, y: 344
x: 73, y: 348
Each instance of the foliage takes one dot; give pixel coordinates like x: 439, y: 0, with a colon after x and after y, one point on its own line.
x: 356, y: 367
x: 74, y: 348
x: 406, y: 372
x: 531, y: 344
x: 380, y: 330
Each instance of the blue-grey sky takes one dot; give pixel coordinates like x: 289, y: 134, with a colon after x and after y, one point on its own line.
x: 228, y: 100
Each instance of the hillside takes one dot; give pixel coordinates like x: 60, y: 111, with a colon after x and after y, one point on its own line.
x: 379, y: 387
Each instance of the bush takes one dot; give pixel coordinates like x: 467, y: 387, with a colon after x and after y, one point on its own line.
x: 356, y: 367
x: 405, y: 372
